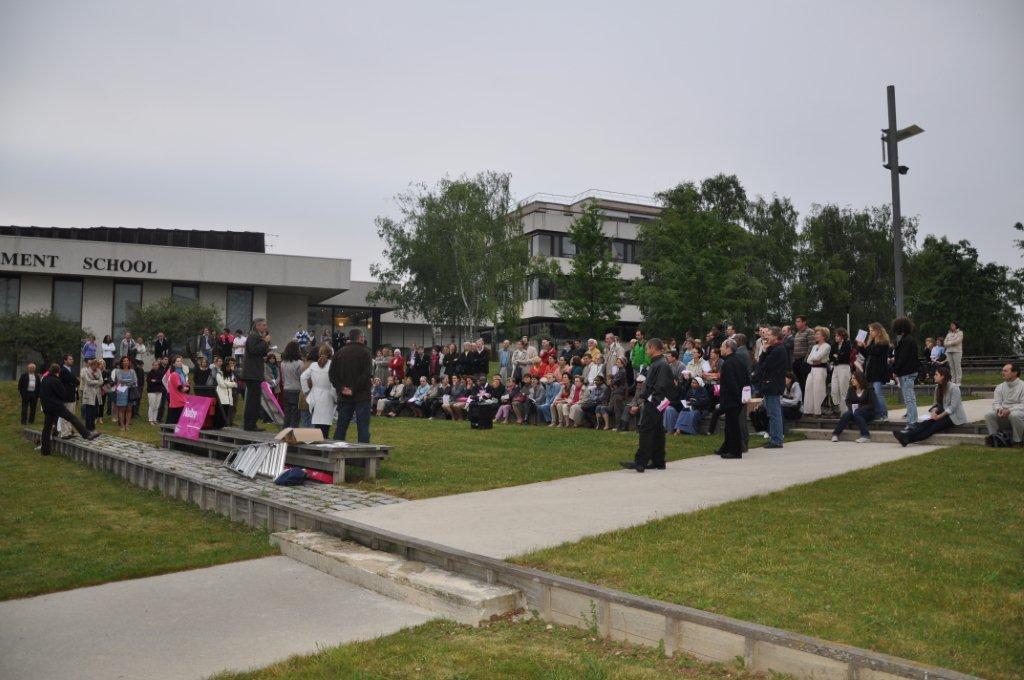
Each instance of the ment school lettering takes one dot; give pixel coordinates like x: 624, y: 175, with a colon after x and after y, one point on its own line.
x: 97, y: 264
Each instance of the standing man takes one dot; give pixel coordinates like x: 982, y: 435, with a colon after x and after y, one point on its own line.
x: 770, y: 378
x: 505, y: 360
x: 161, y: 347
x: 650, y: 455
x: 638, y: 357
x: 70, y: 382
x: 612, y: 351
x: 28, y: 388
x: 54, y: 400
x: 734, y: 378
x: 256, y: 347
x: 127, y: 347
x: 302, y: 337
x: 352, y: 375
x: 482, y: 358
x: 205, y: 345
x: 803, y: 338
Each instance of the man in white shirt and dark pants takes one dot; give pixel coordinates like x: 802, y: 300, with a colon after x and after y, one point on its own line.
x: 1007, y: 406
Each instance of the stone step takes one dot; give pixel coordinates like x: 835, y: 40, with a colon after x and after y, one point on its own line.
x: 447, y: 594
x: 885, y: 436
x: 813, y: 423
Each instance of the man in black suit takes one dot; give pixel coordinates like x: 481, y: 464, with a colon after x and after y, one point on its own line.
x: 733, y: 379
x: 658, y: 386
x: 161, y: 348
x: 28, y: 388
x: 481, y: 359
x: 770, y: 377
x: 53, y: 395
x: 352, y: 375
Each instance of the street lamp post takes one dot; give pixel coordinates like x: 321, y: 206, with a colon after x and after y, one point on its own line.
x: 891, y: 137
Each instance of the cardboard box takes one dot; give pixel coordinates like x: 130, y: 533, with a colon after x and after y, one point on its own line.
x: 300, y: 435
x: 753, y: 404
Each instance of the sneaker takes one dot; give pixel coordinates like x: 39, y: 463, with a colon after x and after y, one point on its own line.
x: 773, y: 446
x: 835, y: 438
x: 881, y: 420
x: 863, y: 440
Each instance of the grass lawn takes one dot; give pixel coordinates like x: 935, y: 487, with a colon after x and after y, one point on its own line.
x: 528, y: 650
x: 993, y: 378
x: 442, y: 457
x: 66, y: 526
x: 922, y: 558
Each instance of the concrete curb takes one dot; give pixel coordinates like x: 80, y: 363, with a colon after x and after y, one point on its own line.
x: 612, y: 613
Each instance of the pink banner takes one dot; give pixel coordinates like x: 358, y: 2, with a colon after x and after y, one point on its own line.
x: 193, y: 415
x: 271, y: 405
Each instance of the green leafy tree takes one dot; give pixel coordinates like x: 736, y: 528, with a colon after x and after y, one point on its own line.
x: 947, y: 282
x: 40, y: 333
x: 455, y: 256
x: 844, y: 264
x: 695, y: 258
x: 774, y: 237
x: 589, y: 291
x: 181, y: 322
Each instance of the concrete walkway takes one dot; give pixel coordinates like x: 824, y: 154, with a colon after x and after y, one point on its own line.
x: 191, y: 624
x: 505, y: 522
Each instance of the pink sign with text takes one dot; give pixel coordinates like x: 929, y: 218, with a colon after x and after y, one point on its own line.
x: 193, y: 416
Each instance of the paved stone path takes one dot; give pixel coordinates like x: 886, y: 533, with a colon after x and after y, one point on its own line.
x: 191, y: 624
x: 505, y: 522
x: 309, y: 496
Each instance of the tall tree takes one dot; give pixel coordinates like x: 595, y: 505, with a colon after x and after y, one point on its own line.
x: 181, y: 322
x: 589, y: 291
x: 39, y: 333
x: 774, y: 237
x: 456, y: 255
x: 947, y: 282
x: 844, y: 265
x: 695, y: 258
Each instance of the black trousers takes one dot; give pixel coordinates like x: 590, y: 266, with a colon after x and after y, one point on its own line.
x: 801, y: 369
x: 173, y: 415
x: 733, y: 443
x: 28, y: 409
x: 651, y: 450
x: 50, y: 420
x: 290, y: 405
x: 252, y: 406
x: 926, y: 428
x: 90, y: 412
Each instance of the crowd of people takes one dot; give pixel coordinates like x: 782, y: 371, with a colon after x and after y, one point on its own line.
x: 692, y: 385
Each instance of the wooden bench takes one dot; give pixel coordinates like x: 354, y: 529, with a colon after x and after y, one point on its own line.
x: 327, y: 459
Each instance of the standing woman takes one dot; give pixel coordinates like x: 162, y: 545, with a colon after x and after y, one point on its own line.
x: 154, y: 390
x: 947, y: 411
x: 817, y: 360
x: 954, y: 344
x: 733, y: 379
x: 876, y: 365
x: 124, y: 380
x: 840, y: 367
x: 226, y: 385
x: 320, y: 395
x: 380, y: 366
x: 396, y: 367
x: 107, y: 350
x: 202, y: 376
x: 92, y: 397
x: 905, y: 364
x: 177, y: 388
x: 291, y: 384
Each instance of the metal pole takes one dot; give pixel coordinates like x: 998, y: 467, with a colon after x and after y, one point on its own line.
x: 897, y: 221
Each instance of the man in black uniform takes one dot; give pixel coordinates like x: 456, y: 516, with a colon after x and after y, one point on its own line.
x: 256, y: 347
x: 650, y: 455
x: 352, y: 376
x: 54, y: 397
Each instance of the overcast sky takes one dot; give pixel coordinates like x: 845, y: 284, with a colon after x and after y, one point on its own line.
x: 304, y: 119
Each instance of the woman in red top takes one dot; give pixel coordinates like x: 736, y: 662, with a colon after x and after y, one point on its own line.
x: 177, y: 388
x: 550, y: 368
x: 575, y: 392
x: 397, y: 365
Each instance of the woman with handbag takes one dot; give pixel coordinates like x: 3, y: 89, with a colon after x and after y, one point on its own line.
x: 126, y: 385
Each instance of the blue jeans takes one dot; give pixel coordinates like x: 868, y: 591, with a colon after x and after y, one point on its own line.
x: 909, y: 396
x: 361, y: 410
x: 881, y: 409
x: 861, y: 417
x: 773, y: 407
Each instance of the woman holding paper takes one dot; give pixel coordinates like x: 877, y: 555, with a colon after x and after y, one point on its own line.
x: 320, y: 395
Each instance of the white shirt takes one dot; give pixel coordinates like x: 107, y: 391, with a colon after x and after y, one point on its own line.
x: 238, y: 346
x: 819, y: 354
x: 108, y: 349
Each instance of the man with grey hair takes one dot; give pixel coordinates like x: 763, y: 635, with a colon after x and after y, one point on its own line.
x: 256, y: 347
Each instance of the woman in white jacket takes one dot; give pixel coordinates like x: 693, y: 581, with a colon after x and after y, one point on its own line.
x: 817, y: 359
x: 224, y: 374
x: 320, y: 396
x: 955, y: 352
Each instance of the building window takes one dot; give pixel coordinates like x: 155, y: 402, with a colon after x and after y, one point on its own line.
x: 10, y: 295
x: 239, y: 309
x: 542, y: 288
x: 67, y: 299
x: 568, y: 248
x: 624, y: 251
x: 185, y: 292
x: 541, y: 244
x: 127, y: 299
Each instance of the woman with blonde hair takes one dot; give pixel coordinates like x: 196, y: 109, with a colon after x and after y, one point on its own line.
x: 817, y: 359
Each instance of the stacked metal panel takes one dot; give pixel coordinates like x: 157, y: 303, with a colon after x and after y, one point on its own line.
x: 262, y: 458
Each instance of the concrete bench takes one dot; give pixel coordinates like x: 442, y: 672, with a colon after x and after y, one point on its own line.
x: 332, y: 460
